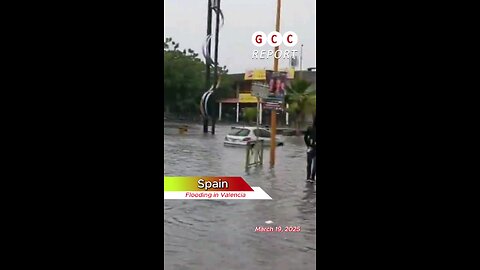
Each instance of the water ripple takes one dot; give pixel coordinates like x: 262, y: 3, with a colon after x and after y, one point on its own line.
x: 221, y: 234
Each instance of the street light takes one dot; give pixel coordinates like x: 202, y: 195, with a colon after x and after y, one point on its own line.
x: 301, y: 57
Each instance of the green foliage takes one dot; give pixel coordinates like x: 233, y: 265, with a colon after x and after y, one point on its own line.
x: 301, y: 99
x: 184, y: 79
x: 250, y: 114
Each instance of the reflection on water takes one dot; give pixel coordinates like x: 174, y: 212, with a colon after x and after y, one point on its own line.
x: 221, y: 234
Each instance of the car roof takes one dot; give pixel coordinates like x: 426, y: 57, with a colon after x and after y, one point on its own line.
x: 250, y: 128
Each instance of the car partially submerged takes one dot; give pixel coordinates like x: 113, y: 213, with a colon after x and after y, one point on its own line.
x: 241, y: 136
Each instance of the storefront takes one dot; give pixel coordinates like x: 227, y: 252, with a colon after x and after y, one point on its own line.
x: 231, y: 109
x: 236, y: 105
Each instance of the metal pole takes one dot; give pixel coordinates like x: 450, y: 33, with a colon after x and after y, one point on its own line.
x: 220, y: 111
x: 217, y: 29
x: 238, y: 108
x: 286, y: 116
x: 301, y: 57
x: 209, y: 49
x: 261, y: 152
x: 217, y: 24
x: 274, y: 112
x: 260, y: 114
x: 258, y: 111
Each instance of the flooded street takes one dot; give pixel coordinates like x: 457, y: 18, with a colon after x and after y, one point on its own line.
x: 201, y: 235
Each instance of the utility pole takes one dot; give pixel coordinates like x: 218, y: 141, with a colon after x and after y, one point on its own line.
x: 209, y: 49
x: 274, y: 112
x: 215, y: 75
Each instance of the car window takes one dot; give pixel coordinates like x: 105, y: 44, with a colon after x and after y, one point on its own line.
x: 264, y: 133
x: 257, y: 133
x: 242, y: 132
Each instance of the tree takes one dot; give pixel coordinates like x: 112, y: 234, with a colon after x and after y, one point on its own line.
x: 250, y: 114
x: 184, y: 79
x: 301, y: 99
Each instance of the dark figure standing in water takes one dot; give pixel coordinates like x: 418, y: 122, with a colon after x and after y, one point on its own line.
x: 311, y: 142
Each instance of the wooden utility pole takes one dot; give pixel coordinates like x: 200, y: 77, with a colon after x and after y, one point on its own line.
x: 274, y: 112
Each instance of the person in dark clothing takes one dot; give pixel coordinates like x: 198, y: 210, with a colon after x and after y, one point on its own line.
x: 311, y: 142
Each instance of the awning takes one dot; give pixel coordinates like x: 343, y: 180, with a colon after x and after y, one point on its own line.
x: 233, y: 101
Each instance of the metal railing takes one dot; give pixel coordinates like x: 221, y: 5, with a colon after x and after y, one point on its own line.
x: 254, y: 154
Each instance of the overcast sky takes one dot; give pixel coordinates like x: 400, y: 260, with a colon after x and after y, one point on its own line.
x: 186, y: 23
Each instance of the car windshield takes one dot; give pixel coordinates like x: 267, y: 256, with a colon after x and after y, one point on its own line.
x: 241, y: 132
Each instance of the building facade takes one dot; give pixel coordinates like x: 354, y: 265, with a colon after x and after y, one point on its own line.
x: 231, y: 109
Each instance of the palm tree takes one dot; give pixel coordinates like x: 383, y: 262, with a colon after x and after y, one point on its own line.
x: 301, y: 99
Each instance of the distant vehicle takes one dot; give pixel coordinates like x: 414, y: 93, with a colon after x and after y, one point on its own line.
x: 240, y: 136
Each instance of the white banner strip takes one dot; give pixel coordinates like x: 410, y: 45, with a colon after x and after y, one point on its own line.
x: 256, y: 194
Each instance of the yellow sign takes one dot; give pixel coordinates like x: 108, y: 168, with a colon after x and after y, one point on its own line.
x: 290, y: 73
x: 247, y: 98
x: 261, y: 74
x: 255, y: 75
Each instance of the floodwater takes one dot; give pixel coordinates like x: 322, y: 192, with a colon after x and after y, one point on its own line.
x: 208, y: 234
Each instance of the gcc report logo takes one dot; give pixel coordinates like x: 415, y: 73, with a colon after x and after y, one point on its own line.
x: 274, y: 39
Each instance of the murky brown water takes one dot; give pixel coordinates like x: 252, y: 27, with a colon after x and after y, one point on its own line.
x: 203, y: 235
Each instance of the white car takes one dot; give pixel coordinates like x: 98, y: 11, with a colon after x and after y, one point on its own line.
x: 240, y: 136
